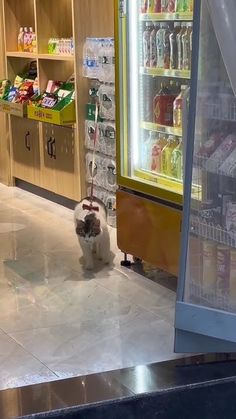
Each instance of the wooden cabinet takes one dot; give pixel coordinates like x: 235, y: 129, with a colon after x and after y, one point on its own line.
x: 48, y: 156
x: 25, y: 150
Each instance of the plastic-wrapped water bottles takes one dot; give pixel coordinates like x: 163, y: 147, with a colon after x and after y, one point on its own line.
x: 106, y: 53
x: 106, y: 95
x: 90, y: 54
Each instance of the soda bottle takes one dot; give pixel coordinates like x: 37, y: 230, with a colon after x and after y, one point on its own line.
x: 171, y: 6
x: 166, y: 155
x: 180, y: 46
x: 157, y: 6
x: 150, y: 6
x: 164, y: 6
x: 186, y: 47
x: 177, y: 162
x: 174, y: 46
x: 146, y: 44
x: 153, y: 46
x: 178, y: 108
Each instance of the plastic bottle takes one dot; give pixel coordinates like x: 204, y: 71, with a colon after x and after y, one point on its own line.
x: 163, y: 107
x: 157, y: 6
x: 153, y: 46
x: 178, y: 108
x: 187, y: 47
x: 166, y: 155
x: 181, y: 6
x: 190, y: 5
x: 26, y: 37
x: 171, y: 6
x: 167, y: 47
x: 21, y: 40
x: 150, y: 6
x: 34, y: 43
x: 144, y: 6
x: 30, y: 39
x: 156, y: 152
x: 146, y: 44
x: 180, y: 45
x: 160, y: 45
x: 164, y: 6
x: 174, y: 46
x: 147, y: 151
x: 177, y: 162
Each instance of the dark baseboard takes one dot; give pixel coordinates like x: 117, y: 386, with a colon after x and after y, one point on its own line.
x: 44, y: 193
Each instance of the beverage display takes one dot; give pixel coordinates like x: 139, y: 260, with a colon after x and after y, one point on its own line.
x: 166, y: 6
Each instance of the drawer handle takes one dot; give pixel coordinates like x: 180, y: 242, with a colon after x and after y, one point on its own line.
x: 27, y: 141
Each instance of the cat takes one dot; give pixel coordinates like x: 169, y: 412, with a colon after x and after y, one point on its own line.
x: 92, y: 231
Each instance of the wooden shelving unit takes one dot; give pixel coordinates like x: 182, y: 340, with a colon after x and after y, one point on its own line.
x: 65, y: 174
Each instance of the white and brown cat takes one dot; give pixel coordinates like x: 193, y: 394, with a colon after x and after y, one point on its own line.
x: 92, y: 231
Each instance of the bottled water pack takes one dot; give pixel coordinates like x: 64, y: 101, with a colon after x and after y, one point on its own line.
x: 109, y: 199
x: 104, y: 171
x: 106, y: 138
x: 99, y: 59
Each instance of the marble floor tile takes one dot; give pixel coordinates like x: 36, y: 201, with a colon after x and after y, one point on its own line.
x: 60, y: 319
x: 18, y: 367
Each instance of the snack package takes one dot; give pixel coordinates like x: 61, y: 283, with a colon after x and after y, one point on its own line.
x: 49, y: 101
x: 208, y: 148
x: 53, y: 86
x: 26, y: 91
x: 13, y: 94
x: 18, y: 81
x: 4, y: 89
x: 221, y: 153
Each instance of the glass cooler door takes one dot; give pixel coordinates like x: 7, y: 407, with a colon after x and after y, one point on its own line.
x: 206, y: 303
x: 155, y: 49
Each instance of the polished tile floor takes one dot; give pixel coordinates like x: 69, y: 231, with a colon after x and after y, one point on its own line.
x: 58, y: 321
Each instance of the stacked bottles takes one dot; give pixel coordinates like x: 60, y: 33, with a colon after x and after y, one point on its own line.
x: 61, y: 46
x: 166, y: 6
x: 26, y: 41
x: 99, y: 59
x: 163, y: 154
x: 167, y: 45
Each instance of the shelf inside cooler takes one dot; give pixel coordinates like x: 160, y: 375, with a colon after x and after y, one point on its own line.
x: 161, y: 72
x: 165, y: 182
x: 161, y: 17
x: 150, y: 126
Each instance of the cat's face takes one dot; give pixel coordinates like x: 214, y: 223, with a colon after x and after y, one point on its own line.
x: 89, y: 228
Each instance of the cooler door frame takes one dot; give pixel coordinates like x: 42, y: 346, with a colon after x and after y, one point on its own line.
x: 197, y: 328
x: 122, y: 51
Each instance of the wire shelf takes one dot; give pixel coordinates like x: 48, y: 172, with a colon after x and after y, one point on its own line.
x: 221, y: 110
x: 211, y: 232
x: 202, y: 295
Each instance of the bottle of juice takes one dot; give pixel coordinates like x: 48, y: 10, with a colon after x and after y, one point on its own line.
x: 150, y: 6
x: 144, y: 6
x: 34, y: 43
x: 146, y: 44
x: 163, y: 107
x: 177, y: 162
x: 157, y: 148
x: 30, y: 39
x: 164, y: 6
x: 166, y: 155
x: 178, y: 108
x: 174, y: 46
x: 167, y: 48
x: 171, y: 6
x: 186, y: 47
x: 181, y: 6
x: 190, y: 5
x: 157, y: 6
x: 160, y: 37
x: 26, y: 37
x: 21, y: 40
x: 153, y: 46
x: 180, y: 45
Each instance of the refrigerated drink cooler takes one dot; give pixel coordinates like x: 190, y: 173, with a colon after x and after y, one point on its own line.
x: 206, y: 298
x: 154, y: 54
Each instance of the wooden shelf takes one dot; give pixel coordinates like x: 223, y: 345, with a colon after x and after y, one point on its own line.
x: 162, y: 17
x: 161, y: 72
x: 17, y: 54
x: 150, y: 126
x: 55, y: 57
x: 26, y: 140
